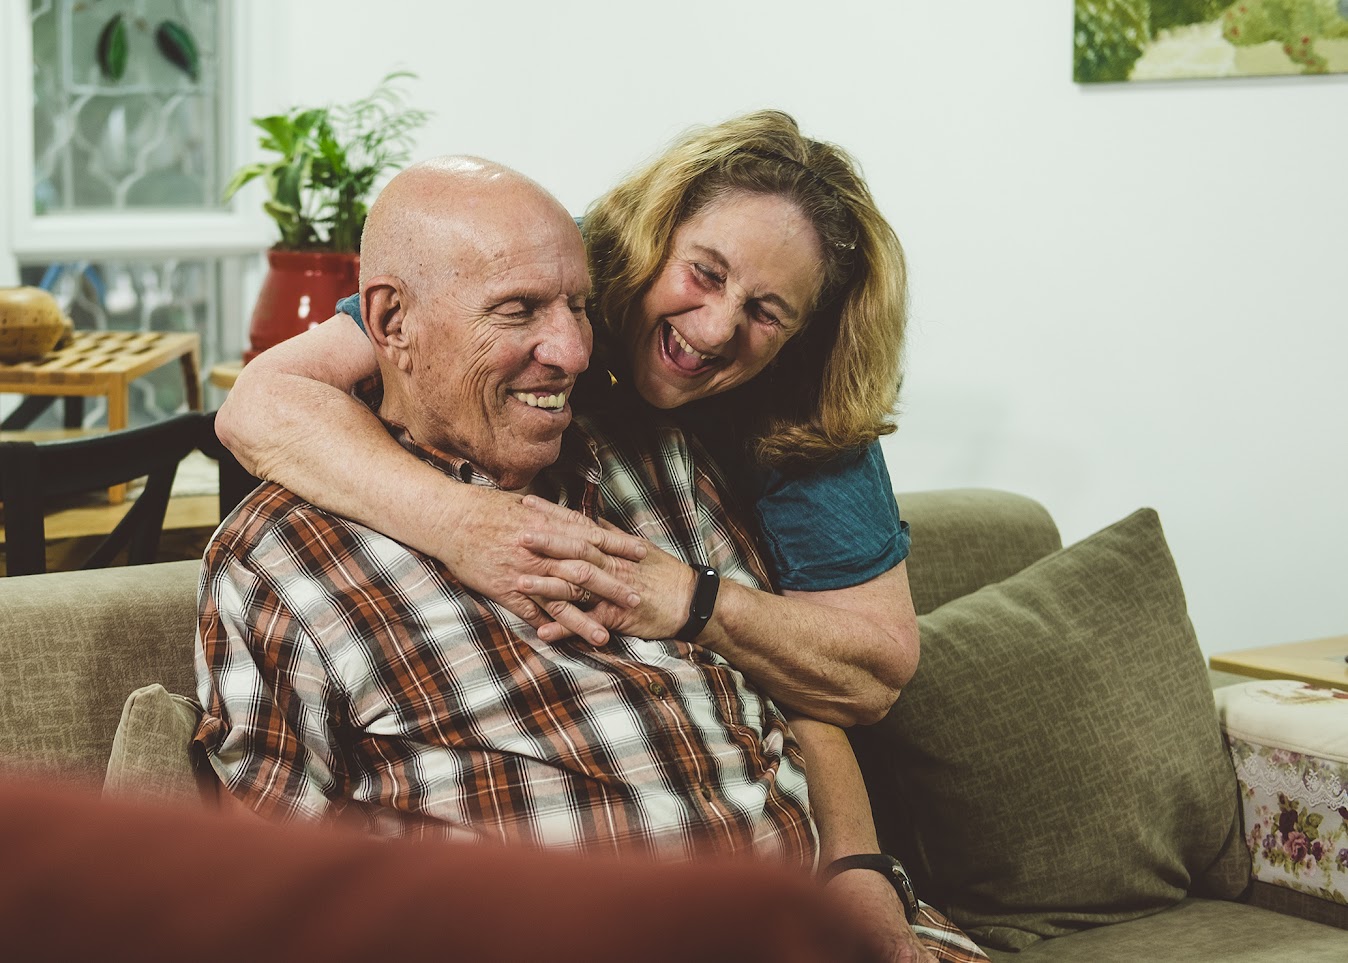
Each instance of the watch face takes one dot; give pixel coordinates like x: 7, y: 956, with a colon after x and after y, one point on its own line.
x: 907, y: 896
x: 703, y: 601
x: 704, y: 596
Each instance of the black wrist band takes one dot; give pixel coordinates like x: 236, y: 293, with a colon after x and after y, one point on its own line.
x: 888, y: 867
x: 704, y: 600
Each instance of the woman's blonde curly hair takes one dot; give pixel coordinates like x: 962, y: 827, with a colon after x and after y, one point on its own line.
x: 834, y: 385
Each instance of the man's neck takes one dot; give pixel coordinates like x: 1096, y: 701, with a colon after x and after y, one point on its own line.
x: 395, y: 411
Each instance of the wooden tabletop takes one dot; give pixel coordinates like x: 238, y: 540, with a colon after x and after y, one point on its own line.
x: 98, y: 517
x: 95, y: 360
x: 105, y: 363
x: 1319, y: 661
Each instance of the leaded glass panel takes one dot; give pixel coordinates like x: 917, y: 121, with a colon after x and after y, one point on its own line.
x: 126, y: 115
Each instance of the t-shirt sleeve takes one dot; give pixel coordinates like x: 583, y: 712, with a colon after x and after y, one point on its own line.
x: 350, y: 305
x: 834, y: 527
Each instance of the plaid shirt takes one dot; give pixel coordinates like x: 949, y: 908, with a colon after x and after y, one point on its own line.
x: 346, y: 675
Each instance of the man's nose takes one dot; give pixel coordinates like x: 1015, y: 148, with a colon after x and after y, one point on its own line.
x: 566, y: 341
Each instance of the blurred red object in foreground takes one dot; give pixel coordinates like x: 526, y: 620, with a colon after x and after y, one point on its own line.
x: 86, y: 878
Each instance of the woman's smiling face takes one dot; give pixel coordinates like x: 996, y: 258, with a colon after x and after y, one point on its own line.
x: 740, y: 280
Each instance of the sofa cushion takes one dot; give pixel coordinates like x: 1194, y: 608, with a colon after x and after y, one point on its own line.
x: 151, y: 751
x: 966, y: 538
x: 1056, y: 762
x: 1195, y: 931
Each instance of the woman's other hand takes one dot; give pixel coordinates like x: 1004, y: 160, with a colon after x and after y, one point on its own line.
x: 869, y: 901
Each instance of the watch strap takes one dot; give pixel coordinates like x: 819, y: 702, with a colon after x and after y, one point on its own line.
x: 705, y: 589
x: 888, y: 867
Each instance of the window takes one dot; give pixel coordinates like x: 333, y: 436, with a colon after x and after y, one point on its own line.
x: 116, y: 170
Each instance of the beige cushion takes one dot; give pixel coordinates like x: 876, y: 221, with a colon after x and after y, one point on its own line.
x: 966, y: 538
x: 1056, y: 763
x: 151, y: 752
x: 1196, y: 931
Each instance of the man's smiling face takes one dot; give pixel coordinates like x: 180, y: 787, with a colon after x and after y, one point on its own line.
x: 498, y: 335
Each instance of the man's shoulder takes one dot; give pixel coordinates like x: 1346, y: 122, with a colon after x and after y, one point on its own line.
x: 273, y: 530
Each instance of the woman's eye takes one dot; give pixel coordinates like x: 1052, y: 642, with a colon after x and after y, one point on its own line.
x: 764, y: 315
x: 708, y: 275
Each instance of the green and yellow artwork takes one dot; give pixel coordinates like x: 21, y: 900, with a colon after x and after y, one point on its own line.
x: 1118, y: 40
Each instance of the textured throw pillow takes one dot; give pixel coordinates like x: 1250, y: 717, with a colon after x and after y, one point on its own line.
x: 1056, y: 763
x: 152, y: 751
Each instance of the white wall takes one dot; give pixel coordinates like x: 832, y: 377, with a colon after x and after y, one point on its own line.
x: 1122, y: 296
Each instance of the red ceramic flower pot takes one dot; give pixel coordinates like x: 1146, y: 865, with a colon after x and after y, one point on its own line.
x: 300, y: 291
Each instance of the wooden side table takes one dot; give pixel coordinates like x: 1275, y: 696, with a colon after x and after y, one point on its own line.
x: 224, y: 374
x: 105, y: 363
x: 1319, y: 662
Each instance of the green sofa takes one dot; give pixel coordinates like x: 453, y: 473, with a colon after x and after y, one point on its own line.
x: 1016, y: 689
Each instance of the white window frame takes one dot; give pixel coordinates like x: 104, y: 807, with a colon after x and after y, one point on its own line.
x: 235, y: 232
x: 232, y: 230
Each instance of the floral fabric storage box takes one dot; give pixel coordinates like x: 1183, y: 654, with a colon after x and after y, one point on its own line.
x: 1289, y: 744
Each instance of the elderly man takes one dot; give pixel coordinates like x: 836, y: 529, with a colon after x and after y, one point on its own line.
x: 344, y: 674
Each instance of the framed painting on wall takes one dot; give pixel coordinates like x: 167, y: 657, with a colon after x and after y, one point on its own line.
x: 1133, y: 40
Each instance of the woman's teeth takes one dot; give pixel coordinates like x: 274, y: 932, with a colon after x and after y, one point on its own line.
x: 540, y: 401
x: 688, y: 348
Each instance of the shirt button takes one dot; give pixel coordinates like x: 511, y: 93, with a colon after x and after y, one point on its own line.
x: 657, y: 689
x: 706, y: 794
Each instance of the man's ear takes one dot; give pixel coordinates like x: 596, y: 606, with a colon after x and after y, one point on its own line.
x: 383, y: 308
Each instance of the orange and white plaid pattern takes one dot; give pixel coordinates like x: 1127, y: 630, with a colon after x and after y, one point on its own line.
x: 346, y: 675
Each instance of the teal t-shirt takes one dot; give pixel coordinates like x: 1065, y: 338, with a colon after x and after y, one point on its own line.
x: 830, y: 528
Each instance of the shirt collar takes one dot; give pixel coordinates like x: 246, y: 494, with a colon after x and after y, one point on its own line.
x: 574, y: 476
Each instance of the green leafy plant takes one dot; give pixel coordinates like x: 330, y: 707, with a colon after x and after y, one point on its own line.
x: 330, y: 159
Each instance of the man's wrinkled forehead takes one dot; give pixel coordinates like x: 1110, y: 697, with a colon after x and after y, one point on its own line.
x: 544, y: 256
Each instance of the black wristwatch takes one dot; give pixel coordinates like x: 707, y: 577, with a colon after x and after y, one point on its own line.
x: 887, y: 866
x: 704, y: 600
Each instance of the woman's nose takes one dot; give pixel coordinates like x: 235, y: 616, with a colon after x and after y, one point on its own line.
x: 718, y: 321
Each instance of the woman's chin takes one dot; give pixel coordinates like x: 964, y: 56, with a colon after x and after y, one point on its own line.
x: 660, y: 396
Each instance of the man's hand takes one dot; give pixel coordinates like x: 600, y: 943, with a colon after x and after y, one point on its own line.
x: 877, y: 913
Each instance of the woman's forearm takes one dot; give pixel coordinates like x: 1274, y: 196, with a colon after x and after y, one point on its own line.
x: 839, y: 656
x: 290, y: 419
x: 838, y: 799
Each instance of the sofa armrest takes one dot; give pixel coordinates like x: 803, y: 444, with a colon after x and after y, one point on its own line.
x: 1289, y: 745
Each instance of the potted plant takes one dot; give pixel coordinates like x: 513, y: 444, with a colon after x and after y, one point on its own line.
x: 318, y: 193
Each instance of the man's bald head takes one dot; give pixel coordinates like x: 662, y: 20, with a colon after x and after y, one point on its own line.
x: 473, y: 287
x: 428, y: 211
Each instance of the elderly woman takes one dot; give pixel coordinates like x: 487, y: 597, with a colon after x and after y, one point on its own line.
x: 746, y: 285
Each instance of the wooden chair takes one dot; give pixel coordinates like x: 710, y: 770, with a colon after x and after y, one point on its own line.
x: 34, y: 473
